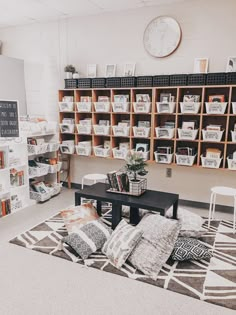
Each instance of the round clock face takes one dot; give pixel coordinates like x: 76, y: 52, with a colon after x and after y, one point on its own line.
x: 162, y: 36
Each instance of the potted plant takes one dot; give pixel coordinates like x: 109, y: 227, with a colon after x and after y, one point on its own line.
x: 135, y: 166
x: 69, y: 70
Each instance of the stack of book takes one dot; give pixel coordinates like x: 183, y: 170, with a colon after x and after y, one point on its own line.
x: 5, y: 206
x: 16, y: 177
x: 118, y: 181
x: 2, y: 159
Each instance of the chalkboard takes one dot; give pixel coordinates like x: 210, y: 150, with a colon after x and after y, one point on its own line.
x: 9, y: 119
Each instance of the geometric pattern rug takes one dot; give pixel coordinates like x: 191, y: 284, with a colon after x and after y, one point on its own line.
x: 212, y: 281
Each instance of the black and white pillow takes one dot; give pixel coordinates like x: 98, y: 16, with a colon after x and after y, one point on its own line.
x: 89, y: 238
x: 190, y: 249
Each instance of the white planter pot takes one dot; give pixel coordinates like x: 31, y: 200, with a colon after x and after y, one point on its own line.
x: 69, y: 75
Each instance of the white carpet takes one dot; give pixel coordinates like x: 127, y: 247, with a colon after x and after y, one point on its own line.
x: 35, y: 284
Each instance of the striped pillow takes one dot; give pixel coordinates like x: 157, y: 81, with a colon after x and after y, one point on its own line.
x: 120, y: 244
x: 89, y: 238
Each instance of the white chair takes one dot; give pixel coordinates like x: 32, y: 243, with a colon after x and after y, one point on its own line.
x: 93, y: 177
x: 224, y: 191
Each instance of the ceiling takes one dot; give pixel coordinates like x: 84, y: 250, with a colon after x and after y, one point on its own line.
x: 19, y: 12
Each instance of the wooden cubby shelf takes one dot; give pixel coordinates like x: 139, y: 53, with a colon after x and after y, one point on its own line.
x: 200, y: 120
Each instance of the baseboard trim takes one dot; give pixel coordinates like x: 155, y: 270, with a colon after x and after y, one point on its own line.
x: 182, y: 202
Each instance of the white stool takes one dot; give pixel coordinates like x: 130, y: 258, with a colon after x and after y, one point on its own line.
x: 94, y: 177
x: 224, y: 191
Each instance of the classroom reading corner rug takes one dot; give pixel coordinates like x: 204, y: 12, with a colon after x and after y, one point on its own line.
x: 212, y: 281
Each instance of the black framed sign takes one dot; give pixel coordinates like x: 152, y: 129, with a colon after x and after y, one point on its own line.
x: 9, y: 119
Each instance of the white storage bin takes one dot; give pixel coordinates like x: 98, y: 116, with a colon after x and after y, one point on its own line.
x: 210, y: 162
x: 37, y: 149
x: 120, y: 131
x: 40, y: 197
x: 212, y: 135
x: 51, y: 127
x: 66, y: 106
x: 233, y: 136
x: 216, y: 107
x: 120, y: 107
x: 234, y: 107
x: 67, y: 128
x: 189, y: 107
x: 54, y: 168
x: 84, y: 129
x: 231, y: 164
x: 83, y: 150
x: 187, y: 134
x: 102, y: 107
x: 186, y: 160
x: 41, y: 170
x: 165, y: 107
x: 101, y: 130
x: 53, y: 146
x: 163, y: 158
x: 119, y: 154
x: 56, y: 188
x: 142, y: 107
x: 67, y: 148
x: 85, y: 107
x: 99, y: 151
x: 166, y: 133
x: 141, y: 132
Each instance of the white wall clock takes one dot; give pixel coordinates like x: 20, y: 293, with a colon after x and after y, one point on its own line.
x: 162, y: 36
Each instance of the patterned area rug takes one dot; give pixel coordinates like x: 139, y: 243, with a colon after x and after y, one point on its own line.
x: 213, y: 282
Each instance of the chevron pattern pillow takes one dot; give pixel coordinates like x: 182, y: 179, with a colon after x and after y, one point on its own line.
x: 89, y: 238
x: 120, y: 244
x: 189, y: 249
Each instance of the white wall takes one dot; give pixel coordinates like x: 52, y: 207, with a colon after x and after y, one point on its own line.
x: 208, y: 31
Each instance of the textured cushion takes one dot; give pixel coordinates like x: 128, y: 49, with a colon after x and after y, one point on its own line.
x: 121, y: 243
x: 76, y: 217
x: 189, y: 249
x: 89, y: 238
x: 156, y: 244
x: 191, y: 223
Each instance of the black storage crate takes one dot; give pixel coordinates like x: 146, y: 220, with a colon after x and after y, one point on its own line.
x: 161, y: 80
x: 231, y: 78
x: 113, y: 82
x: 144, y: 81
x: 128, y: 82
x: 71, y: 83
x: 178, y: 79
x: 98, y: 83
x: 197, y: 79
x: 84, y: 83
x: 218, y: 78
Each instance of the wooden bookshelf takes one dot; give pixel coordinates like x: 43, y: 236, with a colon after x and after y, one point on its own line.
x: 227, y: 119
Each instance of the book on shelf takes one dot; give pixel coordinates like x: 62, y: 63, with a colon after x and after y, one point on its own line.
x: 85, y: 144
x: 124, y: 146
x: 107, y: 144
x: 85, y: 99
x: 167, y: 97
x: 140, y: 98
x: 103, y: 122
x: 214, y: 127
x: 144, y: 123
x: 143, y: 147
x: 125, y: 121
x: 68, y: 121
x: 216, y: 98
x: 2, y: 159
x: 122, y: 124
x: 85, y: 122
x: 191, y: 98
x: 186, y: 151
x: 68, y: 99
x: 168, y: 124
x: 16, y: 177
x: 103, y: 99
x: 5, y: 207
x: 189, y: 124
x: 164, y: 150
x: 121, y: 98
x: 213, y: 153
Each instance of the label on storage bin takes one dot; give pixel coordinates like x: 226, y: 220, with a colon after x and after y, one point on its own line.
x: 211, y: 135
x: 119, y: 107
x: 141, y: 107
x: 188, y: 107
x: 84, y: 106
x: 163, y: 133
x: 100, y: 129
x: 185, y: 133
x: 82, y: 151
x: 184, y: 159
x: 84, y: 129
x: 101, y: 107
x: 210, y: 163
x: 215, y: 108
x: 119, y: 131
x: 140, y: 132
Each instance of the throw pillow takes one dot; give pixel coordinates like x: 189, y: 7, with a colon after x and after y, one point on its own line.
x: 191, y: 223
x: 76, y: 217
x: 189, y: 249
x: 156, y: 244
x: 120, y: 244
x: 89, y: 238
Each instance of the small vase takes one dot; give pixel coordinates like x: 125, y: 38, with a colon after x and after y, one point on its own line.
x: 75, y: 75
x: 69, y: 75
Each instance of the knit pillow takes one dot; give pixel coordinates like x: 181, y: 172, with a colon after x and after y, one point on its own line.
x: 89, y: 238
x: 120, y: 244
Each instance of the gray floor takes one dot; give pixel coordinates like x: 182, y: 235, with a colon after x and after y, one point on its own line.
x: 32, y: 283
